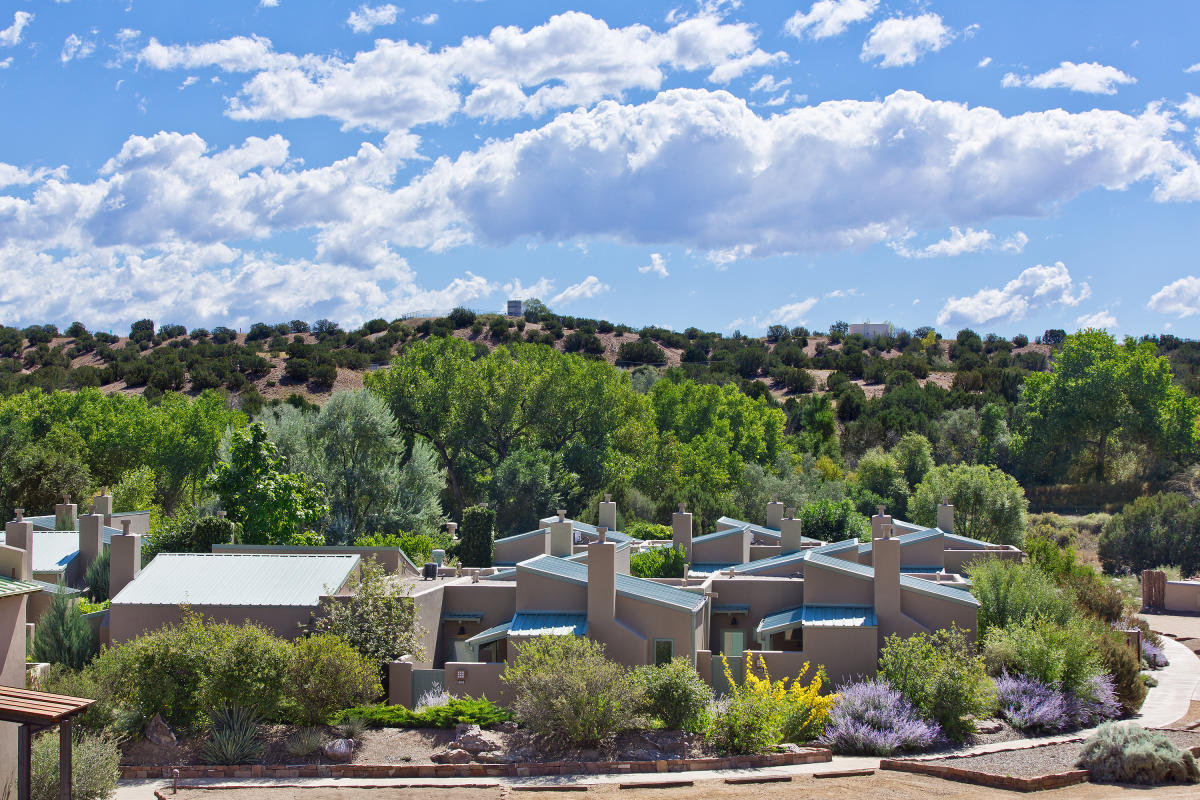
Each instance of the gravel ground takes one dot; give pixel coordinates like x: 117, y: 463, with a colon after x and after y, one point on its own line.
x: 1047, y: 760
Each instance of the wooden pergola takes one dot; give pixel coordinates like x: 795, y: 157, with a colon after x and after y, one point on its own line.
x: 34, y: 712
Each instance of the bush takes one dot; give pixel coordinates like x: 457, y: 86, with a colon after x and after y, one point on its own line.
x: 988, y: 503
x: 565, y: 688
x: 648, y: 530
x: 62, y: 635
x: 475, y: 547
x: 1095, y: 702
x: 832, y: 521
x: 326, y: 674
x: 1123, y: 667
x: 760, y: 712
x: 456, y: 710
x: 96, y: 577
x: 872, y: 718
x: 1031, y: 705
x: 941, y: 675
x: 232, y: 737
x: 1131, y: 754
x: 100, y: 717
x: 247, y: 667
x: 659, y: 562
x: 1063, y: 656
x: 95, y: 767
x: 379, y: 619
x: 675, y: 694
x: 1011, y: 593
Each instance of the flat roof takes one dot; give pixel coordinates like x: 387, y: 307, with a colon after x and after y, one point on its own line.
x: 237, y: 579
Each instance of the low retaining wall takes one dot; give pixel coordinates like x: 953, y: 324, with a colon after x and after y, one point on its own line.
x: 807, y: 755
x: 1040, y: 783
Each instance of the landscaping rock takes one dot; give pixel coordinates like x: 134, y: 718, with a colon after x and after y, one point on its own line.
x: 493, y: 757
x: 472, y: 739
x: 787, y: 747
x: 159, y: 733
x: 340, y: 750
x: 451, y: 755
x: 988, y: 726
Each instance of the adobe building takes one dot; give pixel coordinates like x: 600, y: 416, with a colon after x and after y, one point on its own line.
x: 15, y: 590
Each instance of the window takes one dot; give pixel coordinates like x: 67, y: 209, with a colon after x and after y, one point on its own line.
x: 663, y: 651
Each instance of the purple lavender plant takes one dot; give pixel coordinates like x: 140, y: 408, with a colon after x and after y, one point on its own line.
x: 1153, y: 654
x: 872, y: 718
x: 1095, y: 702
x: 1030, y: 705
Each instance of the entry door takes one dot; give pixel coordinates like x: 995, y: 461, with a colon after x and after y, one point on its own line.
x: 733, y: 646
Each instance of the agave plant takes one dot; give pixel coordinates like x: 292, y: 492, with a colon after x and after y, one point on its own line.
x: 232, y: 736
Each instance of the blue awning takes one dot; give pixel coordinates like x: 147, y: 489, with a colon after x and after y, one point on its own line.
x: 541, y: 623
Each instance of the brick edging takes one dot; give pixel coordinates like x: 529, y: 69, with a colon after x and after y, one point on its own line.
x: 807, y: 755
x: 1040, y: 783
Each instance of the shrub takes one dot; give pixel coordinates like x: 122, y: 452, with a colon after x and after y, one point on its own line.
x: 327, y: 674
x: 831, y: 521
x: 1131, y: 754
x: 1123, y: 666
x: 96, y: 577
x: 304, y: 742
x: 648, y: 530
x: 1031, y: 705
x: 1011, y: 593
x: 872, y: 718
x: 1095, y: 702
x: 379, y: 619
x: 232, y: 737
x: 659, y: 562
x: 675, y: 694
x: 62, y: 635
x: 456, y: 710
x: 247, y: 667
x: 100, y: 716
x: 564, y: 687
x: 352, y: 727
x: 1064, y: 656
x: 95, y: 767
x: 941, y: 675
x: 988, y: 503
x: 475, y: 547
x: 760, y: 712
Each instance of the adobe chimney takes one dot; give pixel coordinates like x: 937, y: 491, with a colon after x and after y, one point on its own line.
x: 608, y: 513
x: 945, y: 516
x: 791, y: 536
x: 452, y: 529
x: 102, y: 504
x: 602, y: 581
x: 562, y: 536
x: 881, y: 525
x: 125, y: 559
x: 18, y: 535
x: 66, y: 517
x: 681, y: 532
x: 885, y: 554
x: 774, y: 513
x: 91, y: 540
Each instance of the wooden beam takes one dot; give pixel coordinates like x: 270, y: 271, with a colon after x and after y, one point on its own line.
x: 64, y: 760
x: 23, y: 777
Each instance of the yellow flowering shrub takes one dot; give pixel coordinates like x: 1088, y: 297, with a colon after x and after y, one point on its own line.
x: 760, y: 712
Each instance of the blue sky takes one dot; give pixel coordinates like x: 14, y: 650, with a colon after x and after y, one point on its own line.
x: 1006, y: 166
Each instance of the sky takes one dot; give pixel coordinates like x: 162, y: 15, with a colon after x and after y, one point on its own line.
x: 1010, y: 167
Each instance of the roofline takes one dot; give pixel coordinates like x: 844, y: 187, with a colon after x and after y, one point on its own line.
x: 528, y: 565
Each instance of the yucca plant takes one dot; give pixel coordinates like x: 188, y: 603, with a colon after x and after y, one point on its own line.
x: 232, y: 736
x: 304, y: 742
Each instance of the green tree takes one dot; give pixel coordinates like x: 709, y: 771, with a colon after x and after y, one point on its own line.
x: 914, y: 455
x: 525, y: 487
x: 272, y: 506
x: 378, y: 619
x: 62, y: 635
x: 880, y: 472
x: 1154, y: 531
x: 475, y: 547
x: 988, y: 504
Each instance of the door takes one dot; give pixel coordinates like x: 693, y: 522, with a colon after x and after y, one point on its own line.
x: 733, y: 646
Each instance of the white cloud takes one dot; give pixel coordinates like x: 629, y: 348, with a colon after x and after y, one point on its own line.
x: 1036, y: 288
x: 11, y: 36
x: 428, y: 19
x: 791, y: 313
x: 572, y: 60
x: 983, y: 62
x: 657, y: 265
x: 829, y: 18
x: 268, y: 3
x: 6, y: 62
x: 15, y: 176
x: 1191, y: 106
x: 900, y: 41
x: 852, y: 292
x: 75, y: 47
x: 1101, y: 319
x: 1181, y: 298
x: 1091, y: 78
x: 540, y: 288
x: 368, y: 18
x: 767, y: 83
x: 960, y: 242
x: 1015, y: 243
x: 586, y: 288
x: 1193, y: 68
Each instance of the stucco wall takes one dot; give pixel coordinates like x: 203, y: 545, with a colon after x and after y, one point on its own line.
x: 541, y: 593
x: 521, y: 549
x: 930, y: 553
x: 128, y: 621
x: 12, y: 673
x: 1182, y: 596
x: 479, y: 680
x: 846, y: 654
x: 428, y: 598
x: 496, y: 601
x: 934, y: 612
x: 764, y: 596
x: 139, y: 521
x: 761, y: 551
x: 823, y: 586
x: 733, y: 549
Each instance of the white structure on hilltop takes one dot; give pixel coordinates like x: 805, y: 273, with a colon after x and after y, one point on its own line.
x: 516, y: 308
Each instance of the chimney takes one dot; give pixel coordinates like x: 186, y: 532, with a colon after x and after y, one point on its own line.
x: 681, y: 532
x: 945, y: 516
x: 102, y: 504
x: 562, y: 536
x: 774, y: 513
x: 125, y: 554
x: 602, y: 581
x: 885, y: 552
x: 452, y: 529
x: 91, y: 539
x: 881, y: 525
x: 602, y: 533
x: 608, y: 513
x: 791, y: 537
x: 18, y: 535
x: 66, y: 516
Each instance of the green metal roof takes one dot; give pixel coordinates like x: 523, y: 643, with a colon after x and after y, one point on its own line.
x: 712, y: 537
x: 237, y: 579
x: 546, y: 623
x: 731, y: 608
x: 764, y: 564
x: 490, y: 635
x: 627, y: 586
x: 818, y: 616
x: 935, y: 589
x: 761, y: 530
x: 10, y: 587
x: 906, y: 539
x: 835, y: 547
x: 516, y: 537
x: 838, y: 565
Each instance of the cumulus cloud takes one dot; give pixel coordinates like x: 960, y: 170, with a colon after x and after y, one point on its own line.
x: 829, y: 18
x: 1191, y: 106
x: 1091, y: 78
x: 11, y: 36
x: 586, y: 288
x: 1036, y: 288
x: 768, y: 83
x: 792, y: 313
x: 1193, y: 68
x: 1181, y: 297
x: 900, y: 41
x: 1101, y: 319
x: 572, y: 60
x: 960, y: 242
x: 429, y: 19
x: 657, y: 265
x: 542, y: 287
x: 75, y: 47
x: 368, y: 18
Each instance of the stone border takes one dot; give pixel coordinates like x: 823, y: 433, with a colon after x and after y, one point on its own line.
x: 1038, y: 784
x: 806, y: 755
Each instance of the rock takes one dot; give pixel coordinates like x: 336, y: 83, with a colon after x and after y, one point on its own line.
x: 507, y: 727
x: 493, y: 757
x: 986, y: 726
x: 451, y: 755
x: 159, y: 732
x: 340, y: 750
x: 787, y: 747
x: 472, y: 739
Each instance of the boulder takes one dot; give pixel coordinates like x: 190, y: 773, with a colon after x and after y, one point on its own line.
x: 787, y: 747
x: 472, y: 739
x: 986, y: 726
x: 451, y: 755
x: 159, y: 733
x: 494, y: 757
x: 339, y: 750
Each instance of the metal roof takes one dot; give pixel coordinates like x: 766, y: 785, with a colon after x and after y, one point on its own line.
x: 764, y: 564
x: 836, y: 547
x: 627, y: 585
x: 490, y: 635
x: 976, y: 543
x: 839, y: 565
x: 516, y: 537
x: 590, y: 530
x: 53, y: 551
x: 731, y: 608
x: 462, y: 616
x: 931, y: 570
x: 906, y: 539
x: 712, y: 537
x: 10, y: 587
x: 700, y: 570
x: 935, y: 589
x: 56, y: 588
x: 547, y: 623
x: 817, y: 616
x: 779, y: 621
x: 237, y: 579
